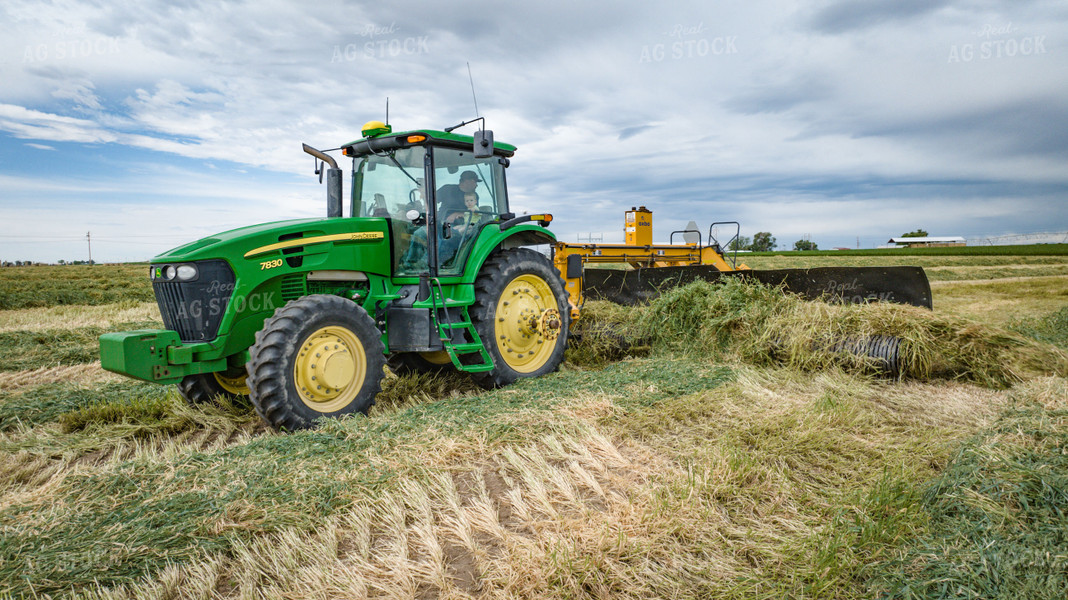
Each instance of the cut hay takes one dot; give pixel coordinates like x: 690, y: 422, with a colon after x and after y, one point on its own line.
x: 763, y: 325
x: 606, y: 332
x: 83, y: 374
x: 106, y: 316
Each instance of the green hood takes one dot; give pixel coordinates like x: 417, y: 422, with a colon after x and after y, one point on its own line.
x: 225, y: 244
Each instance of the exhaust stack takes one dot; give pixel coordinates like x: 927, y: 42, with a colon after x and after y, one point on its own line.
x: 333, y: 181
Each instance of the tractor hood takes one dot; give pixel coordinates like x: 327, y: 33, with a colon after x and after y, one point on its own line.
x: 236, y: 241
x: 338, y: 243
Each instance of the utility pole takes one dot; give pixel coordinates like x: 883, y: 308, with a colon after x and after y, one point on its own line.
x: 90, y: 243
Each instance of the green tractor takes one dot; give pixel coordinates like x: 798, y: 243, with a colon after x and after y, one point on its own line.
x: 430, y: 270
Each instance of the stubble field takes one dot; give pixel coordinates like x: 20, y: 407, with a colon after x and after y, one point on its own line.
x: 687, y: 449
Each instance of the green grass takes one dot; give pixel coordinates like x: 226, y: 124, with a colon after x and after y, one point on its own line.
x: 154, y: 512
x: 973, y: 273
x: 22, y: 350
x: 1016, y: 250
x: 992, y: 525
x: 1052, y: 329
x: 33, y: 287
x: 737, y: 459
x: 47, y: 403
x: 1002, y: 303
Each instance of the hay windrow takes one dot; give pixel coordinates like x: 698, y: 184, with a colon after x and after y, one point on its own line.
x: 762, y: 325
x: 606, y: 332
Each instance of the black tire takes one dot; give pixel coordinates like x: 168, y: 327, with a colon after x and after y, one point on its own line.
x: 521, y: 315
x: 284, y: 364
x: 419, y: 362
x: 206, y: 387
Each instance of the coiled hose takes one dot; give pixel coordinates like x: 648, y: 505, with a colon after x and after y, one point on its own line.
x: 885, y: 349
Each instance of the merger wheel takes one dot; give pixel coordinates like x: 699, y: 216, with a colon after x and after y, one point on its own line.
x: 206, y: 387
x: 318, y: 356
x: 521, y: 314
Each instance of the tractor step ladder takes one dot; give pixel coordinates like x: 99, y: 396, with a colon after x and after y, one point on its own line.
x: 448, y: 326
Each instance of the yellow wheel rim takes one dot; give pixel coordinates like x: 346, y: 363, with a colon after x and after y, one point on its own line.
x: 237, y: 386
x: 330, y: 369
x: 440, y: 357
x: 528, y: 323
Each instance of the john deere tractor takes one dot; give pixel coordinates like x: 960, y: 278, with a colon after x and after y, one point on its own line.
x: 429, y: 270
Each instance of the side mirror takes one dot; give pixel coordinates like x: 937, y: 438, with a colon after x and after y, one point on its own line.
x: 483, y: 143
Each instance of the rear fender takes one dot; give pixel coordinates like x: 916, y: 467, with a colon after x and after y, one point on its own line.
x: 492, y: 239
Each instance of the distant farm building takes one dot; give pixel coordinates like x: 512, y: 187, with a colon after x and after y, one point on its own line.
x: 928, y: 242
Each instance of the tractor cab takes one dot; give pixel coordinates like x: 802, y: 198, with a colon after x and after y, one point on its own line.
x: 437, y: 189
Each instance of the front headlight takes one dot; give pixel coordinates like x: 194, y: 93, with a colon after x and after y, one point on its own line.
x: 186, y: 272
x: 169, y: 272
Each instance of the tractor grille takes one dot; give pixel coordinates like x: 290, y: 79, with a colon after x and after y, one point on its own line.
x: 293, y: 287
x: 195, y: 308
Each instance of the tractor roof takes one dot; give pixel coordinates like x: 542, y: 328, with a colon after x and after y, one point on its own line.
x: 382, y: 138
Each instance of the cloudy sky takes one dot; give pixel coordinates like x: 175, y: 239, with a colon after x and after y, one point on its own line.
x: 847, y: 122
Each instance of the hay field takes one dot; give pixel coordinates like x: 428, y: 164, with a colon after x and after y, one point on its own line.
x: 702, y: 447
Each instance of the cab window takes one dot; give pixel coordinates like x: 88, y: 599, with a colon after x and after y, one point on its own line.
x: 469, y: 192
x: 389, y: 185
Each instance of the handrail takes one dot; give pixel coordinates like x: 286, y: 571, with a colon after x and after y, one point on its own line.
x: 737, y: 232
x: 671, y: 240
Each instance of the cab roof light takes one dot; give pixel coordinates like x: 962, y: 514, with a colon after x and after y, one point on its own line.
x: 415, y: 139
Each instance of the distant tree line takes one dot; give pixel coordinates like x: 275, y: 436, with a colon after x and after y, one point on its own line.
x: 30, y: 263
x: 763, y: 241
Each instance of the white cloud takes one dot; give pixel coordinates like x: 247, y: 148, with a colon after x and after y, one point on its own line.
x: 834, y: 107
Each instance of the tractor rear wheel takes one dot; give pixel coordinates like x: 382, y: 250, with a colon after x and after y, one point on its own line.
x: 521, y: 314
x: 205, y: 387
x: 420, y: 362
x: 318, y: 356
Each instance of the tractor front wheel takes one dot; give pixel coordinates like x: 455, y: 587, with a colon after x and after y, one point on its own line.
x: 318, y: 356
x: 521, y: 315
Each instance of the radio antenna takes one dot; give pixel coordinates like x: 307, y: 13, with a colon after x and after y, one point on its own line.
x: 387, y: 110
x: 473, y: 89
